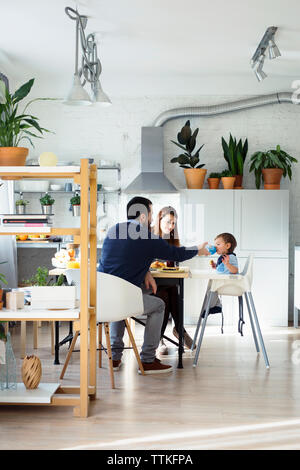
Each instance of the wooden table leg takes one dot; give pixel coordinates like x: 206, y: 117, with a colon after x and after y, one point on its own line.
x: 180, y: 323
x: 35, y: 334
x: 23, y: 339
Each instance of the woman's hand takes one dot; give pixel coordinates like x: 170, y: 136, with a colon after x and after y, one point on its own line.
x: 150, y: 282
x: 202, y: 251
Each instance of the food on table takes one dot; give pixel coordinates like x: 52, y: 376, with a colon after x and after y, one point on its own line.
x: 73, y: 265
x: 157, y: 265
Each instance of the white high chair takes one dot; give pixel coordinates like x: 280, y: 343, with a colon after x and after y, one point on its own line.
x: 117, y: 300
x: 235, y: 285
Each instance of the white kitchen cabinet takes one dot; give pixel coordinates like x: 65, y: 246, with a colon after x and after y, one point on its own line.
x: 259, y: 221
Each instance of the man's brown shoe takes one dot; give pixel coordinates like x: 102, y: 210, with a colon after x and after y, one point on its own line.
x: 116, y: 365
x: 155, y: 367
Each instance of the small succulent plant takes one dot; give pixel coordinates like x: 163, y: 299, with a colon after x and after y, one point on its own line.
x: 226, y: 173
x: 21, y: 202
x: 215, y: 175
x: 187, y: 142
x: 47, y: 200
x: 75, y: 200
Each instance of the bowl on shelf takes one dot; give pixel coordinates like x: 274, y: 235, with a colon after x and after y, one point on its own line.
x: 56, y: 187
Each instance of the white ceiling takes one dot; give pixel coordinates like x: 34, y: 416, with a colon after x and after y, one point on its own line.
x: 153, y: 47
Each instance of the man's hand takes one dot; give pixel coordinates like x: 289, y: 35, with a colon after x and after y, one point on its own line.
x: 202, y: 251
x: 150, y: 282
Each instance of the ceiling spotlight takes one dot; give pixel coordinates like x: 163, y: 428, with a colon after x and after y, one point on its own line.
x: 260, y: 74
x: 273, y: 50
x: 257, y: 60
x: 90, y: 67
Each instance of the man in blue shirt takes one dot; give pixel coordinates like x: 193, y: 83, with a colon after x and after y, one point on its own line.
x: 128, y: 250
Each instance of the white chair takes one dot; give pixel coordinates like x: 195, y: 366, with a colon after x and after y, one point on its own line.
x: 234, y: 285
x: 117, y: 300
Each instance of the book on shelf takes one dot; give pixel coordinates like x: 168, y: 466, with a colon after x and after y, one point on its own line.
x: 22, y: 229
x: 27, y: 224
x: 27, y: 216
x: 26, y: 221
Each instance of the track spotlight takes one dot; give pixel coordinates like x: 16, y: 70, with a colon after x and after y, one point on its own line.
x: 267, y: 43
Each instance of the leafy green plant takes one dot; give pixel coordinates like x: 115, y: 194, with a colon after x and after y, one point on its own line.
x: 276, y: 158
x: 235, y: 154
x: 2, y: 277
x: 226, y: 173
x: 47, y: 200
x: 75, y: 200
x: 21, y: 202
x: 40, y: 278
x: 15, y: 127
x: 60, y: 280
x: 215, y: 175
x: 187, y: 142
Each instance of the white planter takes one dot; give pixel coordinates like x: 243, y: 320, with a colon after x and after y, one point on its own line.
x: 34, y: 185
x: 61, y: 297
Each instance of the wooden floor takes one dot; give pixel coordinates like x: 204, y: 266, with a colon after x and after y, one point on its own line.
x: 230, y: 401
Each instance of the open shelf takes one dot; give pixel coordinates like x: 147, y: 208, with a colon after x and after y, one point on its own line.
x: 41, y: 395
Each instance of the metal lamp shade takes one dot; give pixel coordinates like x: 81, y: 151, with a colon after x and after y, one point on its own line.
x: 100, y: 97
x: 77, y: 96
x: 273, y: 50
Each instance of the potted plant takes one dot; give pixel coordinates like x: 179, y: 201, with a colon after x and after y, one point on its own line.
x: 193, y: 171
x: 227, y: 179
x: 214, y: 180
x: 75, y: 203
x: 21, y: 206
x: 15, y: 126
x: 2, y: 281
x: 47, y: 202
x: 271, y: 166
x: 235, y: 156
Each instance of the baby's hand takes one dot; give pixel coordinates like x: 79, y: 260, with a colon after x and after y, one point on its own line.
x: 226, y: 259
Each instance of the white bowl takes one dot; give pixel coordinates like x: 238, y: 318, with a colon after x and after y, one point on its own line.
x: 55, y: 187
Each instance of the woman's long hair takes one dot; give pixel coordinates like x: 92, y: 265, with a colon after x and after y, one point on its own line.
x: 173, y: 237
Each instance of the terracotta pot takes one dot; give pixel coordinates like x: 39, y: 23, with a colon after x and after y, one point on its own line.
x: 238, y: 184
x: 13, y: 156
x: 194, y: 177
x: 1, y: 294
x: 213, y: 183
x: 228, y: 182
x: 272, y: 177
x: 31, y: 372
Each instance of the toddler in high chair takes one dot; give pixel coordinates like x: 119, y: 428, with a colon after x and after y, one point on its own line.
x: 227, y: 263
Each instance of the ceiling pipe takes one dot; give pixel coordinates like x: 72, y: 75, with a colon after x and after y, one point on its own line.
x: 213, y: 110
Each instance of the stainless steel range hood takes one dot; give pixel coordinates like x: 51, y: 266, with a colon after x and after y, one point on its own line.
x: 152, y: 178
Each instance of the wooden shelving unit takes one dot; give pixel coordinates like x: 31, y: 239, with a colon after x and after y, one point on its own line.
x: 76, y: 396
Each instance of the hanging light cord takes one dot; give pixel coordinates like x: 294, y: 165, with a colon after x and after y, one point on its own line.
x: 90, y: 64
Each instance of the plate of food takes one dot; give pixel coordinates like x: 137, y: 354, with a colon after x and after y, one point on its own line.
x: 160, y: 266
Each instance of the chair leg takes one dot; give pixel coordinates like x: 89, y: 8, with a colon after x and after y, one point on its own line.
x: 296, y: 317
x: 252, y: 324
x: 259, y: 331
x: 199, y: 320
x: 132, y: 340
x: 202, y: 329
x: 100, y: 344
x: 112, y: 379
x: 52, y: 338
x: 69, y: 355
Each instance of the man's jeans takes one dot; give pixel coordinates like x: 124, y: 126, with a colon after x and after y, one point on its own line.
x: 154, y: 308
